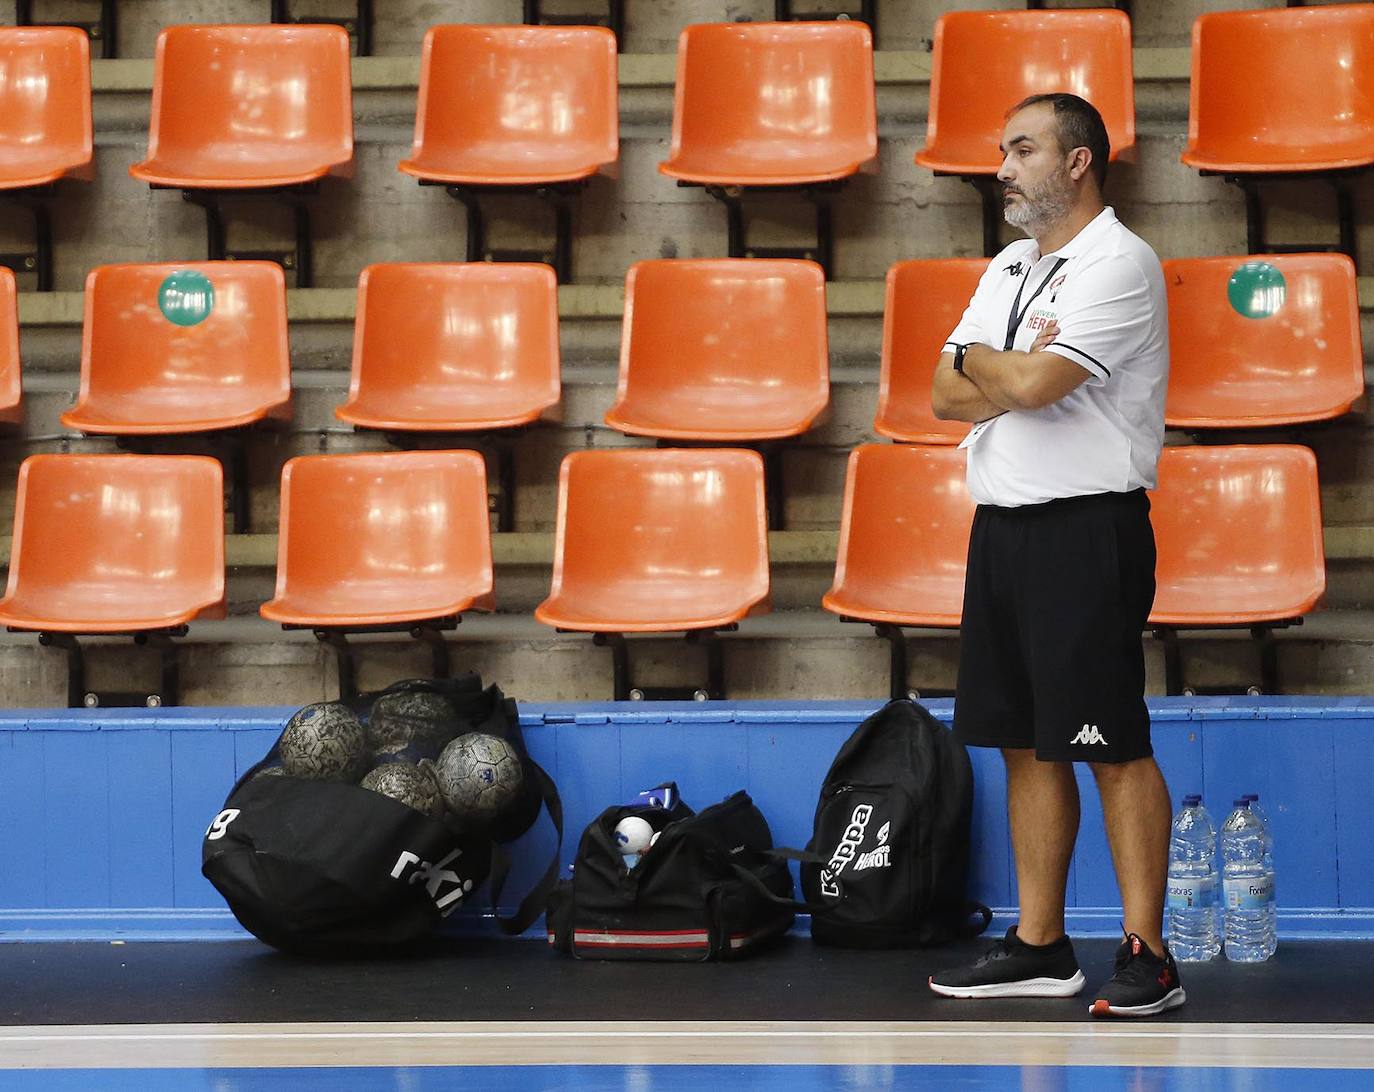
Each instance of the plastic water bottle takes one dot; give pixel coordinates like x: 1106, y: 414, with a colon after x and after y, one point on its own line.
x: 1248, y: 887
x: 1192, y: 898
x: 1259, y: 813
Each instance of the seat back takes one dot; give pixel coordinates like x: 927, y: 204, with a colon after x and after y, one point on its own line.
x: 456, y: 345
x: 924, y: 302
x: 181, y: 346
x: 1239, y: 535
x: 985, y: 62
x: 45, y: 104
x: 108, y: 543
x: 1265, y: 340
x: 722, y: 345
x: 235, y: 104
x: 516, y: 103
x: 776, y: 103
x: 378, y: 538
x: 658, y: 539
x: 1316, y: 68
x: 11, y: 388
x: 903, y: 536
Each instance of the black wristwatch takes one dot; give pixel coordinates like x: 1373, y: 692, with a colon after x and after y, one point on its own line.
x: 959, y: 351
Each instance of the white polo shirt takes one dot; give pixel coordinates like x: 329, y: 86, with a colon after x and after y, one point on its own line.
x: 1105, y: 288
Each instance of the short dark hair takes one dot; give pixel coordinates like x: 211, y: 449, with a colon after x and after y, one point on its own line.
x: 1079, y: 125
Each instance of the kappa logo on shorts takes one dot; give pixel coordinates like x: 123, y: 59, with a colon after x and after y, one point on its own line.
x: 1089, y: 734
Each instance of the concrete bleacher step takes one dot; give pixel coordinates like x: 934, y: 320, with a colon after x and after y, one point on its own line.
x: 778, y: 655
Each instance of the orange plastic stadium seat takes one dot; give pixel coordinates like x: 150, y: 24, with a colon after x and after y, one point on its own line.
x: 515, y: 105
x: 11, y: 390
x: 1268, y: 340
x: 726, y: 349
x: 1312, y: 67
x: 985, y: 62
x: 925, y: 300
x: 903, y: 537
x: 1239, y: 533
x: 377, y: 539
x: 453, y: 346
x: 45, y: 105
x: 658, y: 540
x: 116, y: 543
x: 242, y: 107
x: 182, y: 347
x: 769, y: 104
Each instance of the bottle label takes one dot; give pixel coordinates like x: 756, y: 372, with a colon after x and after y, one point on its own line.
x: 1256, y: 894
x: 1200, y: 891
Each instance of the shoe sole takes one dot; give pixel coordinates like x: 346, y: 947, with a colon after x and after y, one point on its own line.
x: 1171, y: 1000
x: 1027, y: 987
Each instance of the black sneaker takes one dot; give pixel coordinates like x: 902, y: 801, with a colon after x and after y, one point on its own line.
x: 1142, y: 984
x: 1013, y: 968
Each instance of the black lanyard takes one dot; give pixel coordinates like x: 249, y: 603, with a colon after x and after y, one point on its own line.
x: 1014, y: 319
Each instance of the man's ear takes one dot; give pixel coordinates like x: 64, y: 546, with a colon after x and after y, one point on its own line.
x: 1080, y: 160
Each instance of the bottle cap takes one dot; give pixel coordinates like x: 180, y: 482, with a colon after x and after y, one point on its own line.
x: 1243, y: 802
x: 1192, y: 800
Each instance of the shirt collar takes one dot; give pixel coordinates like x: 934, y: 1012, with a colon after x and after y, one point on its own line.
x: 1088, y: 234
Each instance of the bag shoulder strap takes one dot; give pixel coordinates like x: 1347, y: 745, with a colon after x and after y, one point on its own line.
x: 968, y: 929
x: 532, y: 905
x: 785, y: 853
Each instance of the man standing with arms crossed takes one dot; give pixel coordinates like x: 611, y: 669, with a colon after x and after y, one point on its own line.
x: 1061, y: 361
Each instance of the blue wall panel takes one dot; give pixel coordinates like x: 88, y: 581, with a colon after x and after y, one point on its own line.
x: 23, y: 841
x: 250, y: 746
x: 202, y: 775
x: 139, y: 816
x: 787, y: 764
x: 990, y: 873
x: 1353, y: 761
x: 1289, y: 763
x: 76, y: 830
x: 587, y: 773
x: 109, y: 810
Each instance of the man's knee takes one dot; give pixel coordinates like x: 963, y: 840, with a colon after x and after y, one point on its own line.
x: 1024, y: 758
x: 1114, y: 773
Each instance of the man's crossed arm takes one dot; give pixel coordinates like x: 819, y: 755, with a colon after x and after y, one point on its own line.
x: 994, y: 382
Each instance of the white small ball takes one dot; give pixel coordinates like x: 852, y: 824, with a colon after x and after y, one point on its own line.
x: 632, y: 834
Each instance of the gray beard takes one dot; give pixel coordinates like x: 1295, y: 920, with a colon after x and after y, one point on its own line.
x: 1042, y: 208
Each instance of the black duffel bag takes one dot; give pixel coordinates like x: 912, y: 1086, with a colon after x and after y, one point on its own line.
x: 317, y: 866
x: 708, y: 888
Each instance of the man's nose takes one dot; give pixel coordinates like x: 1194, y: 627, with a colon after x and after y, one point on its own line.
x: 1005, y: 173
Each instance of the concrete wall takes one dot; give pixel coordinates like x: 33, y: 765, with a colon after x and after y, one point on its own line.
x: 893, y: 212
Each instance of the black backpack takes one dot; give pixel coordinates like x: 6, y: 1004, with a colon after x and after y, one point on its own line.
x: 326, y: 867
x: 709, y: 888
x: 888, y: 860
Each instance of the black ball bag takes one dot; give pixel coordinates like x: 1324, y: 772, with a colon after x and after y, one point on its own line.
x: 318, y: 867
x: 328, y: 867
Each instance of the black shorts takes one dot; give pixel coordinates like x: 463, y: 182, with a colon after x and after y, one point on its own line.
x: 1055, y: 602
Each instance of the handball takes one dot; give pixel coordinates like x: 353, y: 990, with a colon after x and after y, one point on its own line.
x: 324, y: 742
x: 480, y: 776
